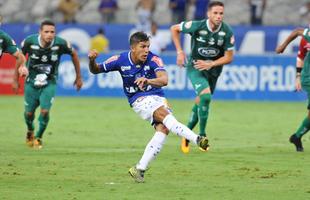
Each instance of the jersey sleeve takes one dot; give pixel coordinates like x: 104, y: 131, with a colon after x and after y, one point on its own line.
x: 157, y: 64
x: 111, y: 64
x: 189, y: 26
x: 229, y: 43
x: 10, y: 44
x: 306, y: 34
x: 25, y: 46
x: 302, y: 51
x: 67, y: 47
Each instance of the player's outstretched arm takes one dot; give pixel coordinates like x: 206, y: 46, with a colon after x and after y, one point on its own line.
x: 290, y: 38
x: 78, y: 78
x: 93, y: 66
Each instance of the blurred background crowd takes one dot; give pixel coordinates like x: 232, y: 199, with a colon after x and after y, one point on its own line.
x: 141, y: 12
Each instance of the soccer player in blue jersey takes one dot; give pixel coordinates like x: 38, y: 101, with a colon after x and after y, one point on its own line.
x: 143, y: 75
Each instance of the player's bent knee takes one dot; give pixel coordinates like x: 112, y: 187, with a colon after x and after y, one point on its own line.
x: 205, y: 98
x: 29, y: 114
x: 162, y: 128
x: 44, y: 112
x: 160, y: 114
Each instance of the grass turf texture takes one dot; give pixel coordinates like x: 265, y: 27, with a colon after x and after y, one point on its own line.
x: 90, y: 144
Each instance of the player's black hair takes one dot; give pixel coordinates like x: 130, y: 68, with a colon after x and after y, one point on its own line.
x: 47, y: 22
x: 138, y: 37
x: 215, y: 3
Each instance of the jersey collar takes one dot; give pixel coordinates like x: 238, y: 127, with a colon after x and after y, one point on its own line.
x: 210, y: 29
x: 129, y: 58
x: 39, y: 41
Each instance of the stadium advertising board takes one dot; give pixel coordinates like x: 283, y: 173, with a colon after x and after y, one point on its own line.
x: 258, y: 77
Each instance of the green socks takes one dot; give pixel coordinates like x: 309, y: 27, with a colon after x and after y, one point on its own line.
x: 29, y: 121
x: 43, y: 121
x: 203, y: 113
x: 193, y: 119
x: 303, y: 128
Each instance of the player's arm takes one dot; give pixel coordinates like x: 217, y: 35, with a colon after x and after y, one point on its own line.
x: 175, y: 33
x: 20, y: 69
x: 78, y: 78
x: 289, y: 39
x: 93, y: 66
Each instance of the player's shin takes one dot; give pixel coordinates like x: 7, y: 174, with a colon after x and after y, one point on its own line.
x: 193, y: 117
x: 179, y: 129
x: 43, y: 121
x: 203, y: 112
x: 29, y: 120
x: 152, y: 150
x: 303, y: 128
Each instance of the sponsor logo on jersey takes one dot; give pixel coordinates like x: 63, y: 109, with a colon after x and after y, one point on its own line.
x: 111, y: 59
x: 124, y: 68
x: 200, y: 39
x: 222, y: 33
x: 187, y: 25
x: 44, y: 58
x: 146, y: 68
x: 33, y: 56
x: 211, y: 41
x: 208, y: 51
x: 55, y: 48
x: 35, y: 47
x: 158, y: 61
x: 203, y: 32
x: 220, y: 42
x: 54, y: 57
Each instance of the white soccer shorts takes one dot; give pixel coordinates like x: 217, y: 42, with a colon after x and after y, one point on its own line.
x: 145, y: 106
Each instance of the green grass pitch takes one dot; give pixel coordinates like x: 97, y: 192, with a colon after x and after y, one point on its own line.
x: 90, y: 144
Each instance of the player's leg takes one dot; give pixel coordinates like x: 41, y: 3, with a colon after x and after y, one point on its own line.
x: 304, y: 126
x: 154, y: 108
x: 31, y: 102
x: 193, y: 120
x: 151, y: 151
x: 163, y: 115
x: 46, y: 100
x: 202, y: 88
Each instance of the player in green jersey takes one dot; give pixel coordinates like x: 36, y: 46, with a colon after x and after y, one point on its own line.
x: 8, y: 45
x: 44, y: 51
x: 302, y: 75
x: 212, y: 45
